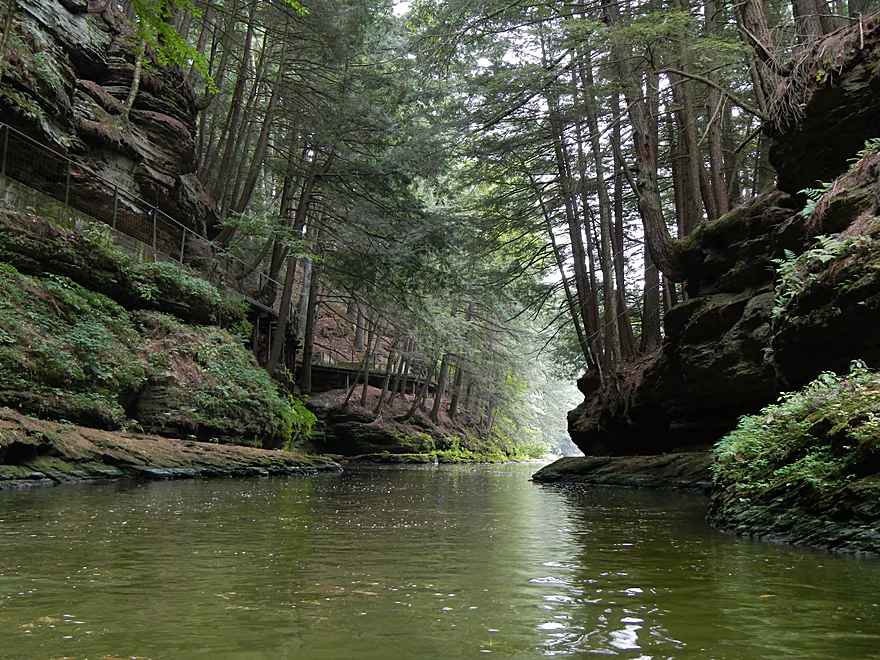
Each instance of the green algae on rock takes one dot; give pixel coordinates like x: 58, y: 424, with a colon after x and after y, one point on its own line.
x: 678, y: 470
x: 70, y: 353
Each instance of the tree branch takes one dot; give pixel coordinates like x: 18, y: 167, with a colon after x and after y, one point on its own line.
x: 733, y: 97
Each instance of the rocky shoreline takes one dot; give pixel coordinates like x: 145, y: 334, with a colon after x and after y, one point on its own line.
x: 678, y: 471
x: 35, y: 452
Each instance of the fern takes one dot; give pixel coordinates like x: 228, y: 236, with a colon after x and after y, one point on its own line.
x: 872, y: 148
x: 814, y: 196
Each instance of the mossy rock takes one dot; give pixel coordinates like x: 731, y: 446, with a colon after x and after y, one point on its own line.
x: 806, y: 470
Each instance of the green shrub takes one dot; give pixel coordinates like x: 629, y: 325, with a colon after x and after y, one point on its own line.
x: 820, y: 437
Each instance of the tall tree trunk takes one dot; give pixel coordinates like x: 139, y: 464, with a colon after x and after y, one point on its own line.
x: 263, y: 142
x: 625, y: 332
x: 386, y: 381
x: 284, y: 311
x: 715, y: 106
x: 423, y: 392
x: 663, y: 250
x: 209, y: 142
x: 456, y: 390
x: 587, y: 305
x: 689, y: 165
x: 305, y: 372
x: 441, y: 388
x: 570, y: 300
x: 369, y: 358
x: 231, y: 126
x: 609, y: 323
x: 753, y: 25
x: 360, y: 326
x: 812, y: 19
x: 401, y: 375
x: 204, y: 33
x: 651, y: 336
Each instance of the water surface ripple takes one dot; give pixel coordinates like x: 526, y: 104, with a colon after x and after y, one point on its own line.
x: 422, y: 562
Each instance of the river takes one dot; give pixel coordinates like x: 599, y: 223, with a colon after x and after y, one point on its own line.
x: 421, y: 562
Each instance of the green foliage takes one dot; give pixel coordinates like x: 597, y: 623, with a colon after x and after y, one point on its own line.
x: 70, y: 353
x: 55, y: 333
x: 814, y: 196
x: 299, y: 420
x: 819, y: 438
x: 212, y: 384
x: 150, y: 276
x: 167, y: 285
x: 795, y: 272
x: 872, y: 148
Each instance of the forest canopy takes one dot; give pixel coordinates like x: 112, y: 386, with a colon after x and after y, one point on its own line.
x: 487, y: 188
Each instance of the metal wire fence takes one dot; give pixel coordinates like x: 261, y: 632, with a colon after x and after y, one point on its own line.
x: 156, y: 235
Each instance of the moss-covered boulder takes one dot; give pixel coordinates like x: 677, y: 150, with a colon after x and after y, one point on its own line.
x: 203, y: 383
x: 806, y: 470
x: 69, y: 353
x: 36, y: 245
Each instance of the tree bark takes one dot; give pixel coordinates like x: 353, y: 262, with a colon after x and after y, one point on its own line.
x: 812, y: 20
x: 651, y: 336
x: 231, y: 126
x: 305, y: 372
x: 663, y: 249
x: 609, y: 322
x: 441, y: 388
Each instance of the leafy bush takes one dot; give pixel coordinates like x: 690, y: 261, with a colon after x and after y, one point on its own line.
x: 204, y: 381
x: 167, y: 287
x: 820, y: 437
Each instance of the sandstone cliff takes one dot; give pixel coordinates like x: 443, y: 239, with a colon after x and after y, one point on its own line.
x: 67, y: 74
x: 747, y: 333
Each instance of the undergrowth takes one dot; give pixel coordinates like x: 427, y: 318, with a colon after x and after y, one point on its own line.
x: 69, y: 353
x: 821, y: 437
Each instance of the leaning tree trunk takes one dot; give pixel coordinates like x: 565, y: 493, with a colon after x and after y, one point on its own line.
x: 663, y: 249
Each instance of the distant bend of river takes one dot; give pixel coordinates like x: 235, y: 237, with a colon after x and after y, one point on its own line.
x: 421, y: 562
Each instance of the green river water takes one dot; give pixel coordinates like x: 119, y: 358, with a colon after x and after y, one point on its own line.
x: 422, y: 562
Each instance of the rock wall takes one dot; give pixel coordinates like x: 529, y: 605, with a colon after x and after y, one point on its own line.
x: 68, y: 73
x: 89, y: 336
x: 746, y: 334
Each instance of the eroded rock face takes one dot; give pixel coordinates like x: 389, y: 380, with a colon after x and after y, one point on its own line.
x: 68, y: 74
x: 740, y: 340
x: 829, y: 108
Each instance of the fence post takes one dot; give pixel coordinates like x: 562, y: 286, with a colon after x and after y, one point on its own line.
x: 5, y: 148
x: 182, y: 244
x: 115, y: 205
x: 67, y: 185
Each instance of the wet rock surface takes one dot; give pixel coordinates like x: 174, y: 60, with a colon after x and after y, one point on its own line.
x: 684, y: 470
x: 37, y: 452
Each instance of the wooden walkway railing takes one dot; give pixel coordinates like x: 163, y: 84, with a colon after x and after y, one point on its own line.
x: 164, y: 238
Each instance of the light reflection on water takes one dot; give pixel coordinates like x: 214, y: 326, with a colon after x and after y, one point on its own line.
x: 454, y: 562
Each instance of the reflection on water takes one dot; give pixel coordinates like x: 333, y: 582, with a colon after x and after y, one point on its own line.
x: 449, y: 562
